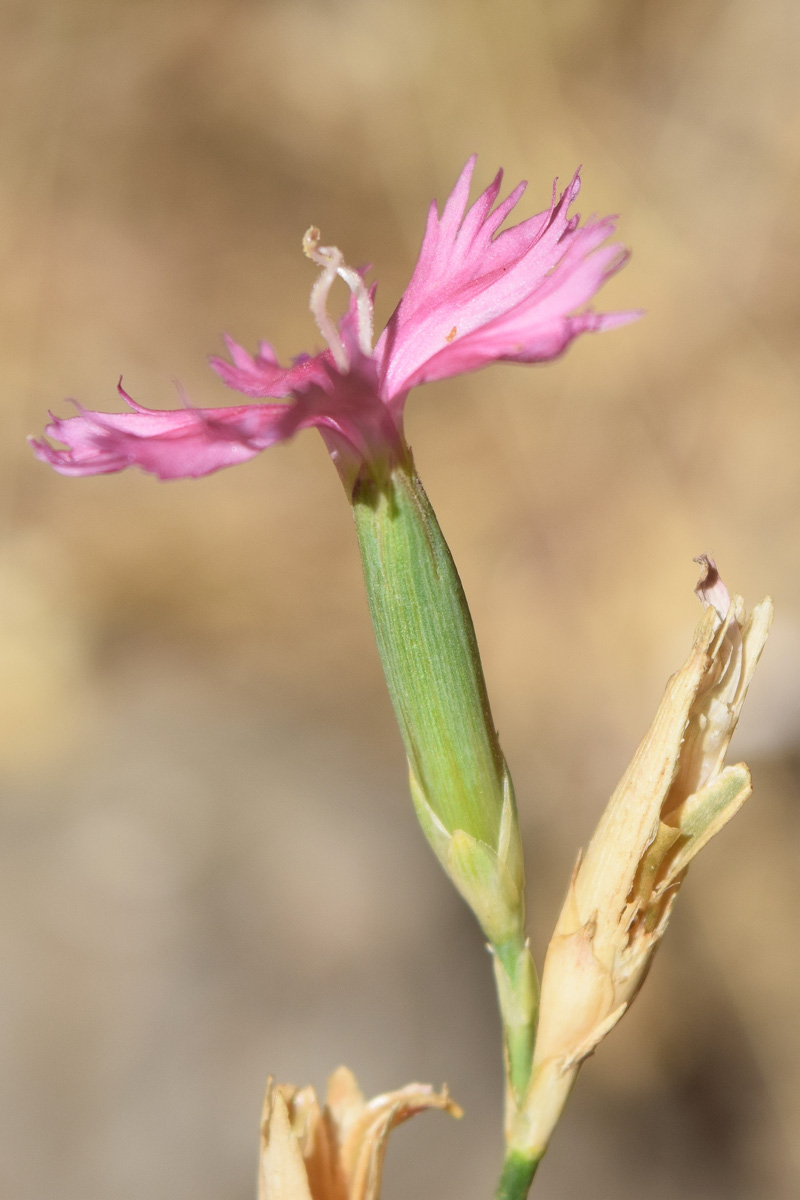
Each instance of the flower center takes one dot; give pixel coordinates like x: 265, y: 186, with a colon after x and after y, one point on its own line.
x: 331, y: 260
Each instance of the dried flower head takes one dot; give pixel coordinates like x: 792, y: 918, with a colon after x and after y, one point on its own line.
x: 477, y: 295
x: 674, y: 797
x: 333, y: 1151
x: 676, y: 794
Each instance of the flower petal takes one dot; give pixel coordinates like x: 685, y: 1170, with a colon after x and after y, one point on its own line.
x: 261, y: 375
x: 175, y: 444
x: 477, y: 295
x: 540, y: 327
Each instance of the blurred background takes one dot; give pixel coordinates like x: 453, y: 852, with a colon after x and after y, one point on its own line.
x: 209, y: 867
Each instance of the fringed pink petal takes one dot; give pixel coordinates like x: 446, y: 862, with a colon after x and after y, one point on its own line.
x: 261, y: 376
x: 538, y: 343
x: 470, y: 277
x: 183, y: 443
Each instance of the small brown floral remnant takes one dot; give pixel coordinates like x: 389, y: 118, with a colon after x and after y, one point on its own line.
x: 333, y: 1151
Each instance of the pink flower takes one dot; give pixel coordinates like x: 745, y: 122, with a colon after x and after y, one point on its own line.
x: 476, y: 296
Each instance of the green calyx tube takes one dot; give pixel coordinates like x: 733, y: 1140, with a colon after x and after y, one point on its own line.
x: 430, y: 656
x: 459, y: 781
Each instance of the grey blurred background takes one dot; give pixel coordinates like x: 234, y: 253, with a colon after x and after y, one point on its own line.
x: 209, y: 868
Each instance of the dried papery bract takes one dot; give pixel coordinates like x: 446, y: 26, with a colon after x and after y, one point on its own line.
x: 676, y: 794
x: 335, y: 1150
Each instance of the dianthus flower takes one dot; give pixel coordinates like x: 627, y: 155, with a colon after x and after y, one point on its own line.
x: 476, y: 296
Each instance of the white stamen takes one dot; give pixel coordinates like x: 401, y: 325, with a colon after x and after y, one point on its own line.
x: 331, y: 260
x: 363, y: 306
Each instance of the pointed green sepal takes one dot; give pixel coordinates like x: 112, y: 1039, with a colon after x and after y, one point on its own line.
x: 486, y: 885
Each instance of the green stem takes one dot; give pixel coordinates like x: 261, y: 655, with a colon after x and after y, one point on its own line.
x: 516, y: 1176
x: 518, y: 997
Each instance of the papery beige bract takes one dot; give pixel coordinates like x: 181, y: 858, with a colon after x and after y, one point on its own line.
x: 675, y: 795
x: 333, y: 1151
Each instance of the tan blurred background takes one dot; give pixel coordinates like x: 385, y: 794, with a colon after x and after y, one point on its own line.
x: 209, y: 868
